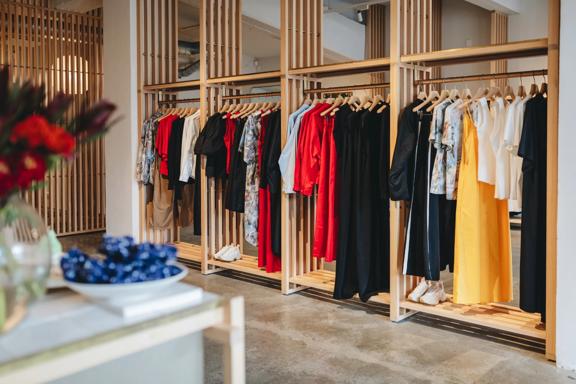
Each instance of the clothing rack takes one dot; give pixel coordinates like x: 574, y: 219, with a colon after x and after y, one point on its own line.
x: 487, y: 76
x: 251, y: 95
x: 346, y: 88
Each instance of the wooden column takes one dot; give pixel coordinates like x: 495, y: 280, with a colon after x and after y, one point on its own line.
x: 552, y: 174
x: 498, y: 35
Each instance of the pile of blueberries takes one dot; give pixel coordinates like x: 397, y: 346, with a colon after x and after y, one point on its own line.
x: 122, y: 262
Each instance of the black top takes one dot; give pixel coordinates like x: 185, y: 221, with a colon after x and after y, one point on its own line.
x: 175, y: 155
x: 236, y: 186
x: 210, y: 142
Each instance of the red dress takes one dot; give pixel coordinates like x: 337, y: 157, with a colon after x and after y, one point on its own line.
x: 266, y: 257
x: 307, y: 163
x: 162, y: 139
x: 326, y: 230
x: 228, y: 139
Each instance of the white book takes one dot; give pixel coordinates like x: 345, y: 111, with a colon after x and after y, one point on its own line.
x: 173, y: 297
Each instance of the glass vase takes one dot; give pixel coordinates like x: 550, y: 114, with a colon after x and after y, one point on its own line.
x: 24, y: 260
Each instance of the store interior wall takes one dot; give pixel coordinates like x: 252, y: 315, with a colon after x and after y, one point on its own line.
x: 566, y: 293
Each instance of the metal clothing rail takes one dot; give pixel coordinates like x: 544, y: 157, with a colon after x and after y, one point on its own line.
x: 346, y: 88
x: 179, y: 101
x: 251, y: 95
x: 487, y: 76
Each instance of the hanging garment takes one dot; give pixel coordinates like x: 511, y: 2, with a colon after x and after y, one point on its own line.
x: 502, y: 190
x: 249, y: 146
x: 189, y: 137
x: 146, y: 162
x: 287, y: 160
x: 441, y: 215
x: 410, y: 180
x: 326, y: 227
x: 452, y: 141
x: 197, y: 196
x: 533, y: 239
x: 486, y: 158
x: 163, y: 203
x: 307, y: 165
x: 513, y: 132
x: 175, y: 156
x: 210, y: 143
x: 162, y: 140
x: 271, y: 180
x: 363, y: 257
x: 236, y: 185
x: 229, y: 135
x: 482, y: 253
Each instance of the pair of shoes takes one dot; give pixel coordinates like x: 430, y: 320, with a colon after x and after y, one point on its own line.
x: 428, y: 292
x: 229, y: 253
x: 434, y: 295
x: 420, y: 290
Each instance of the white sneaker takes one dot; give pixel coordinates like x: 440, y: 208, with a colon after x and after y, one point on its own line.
x: 435, y: 295
x: 222, y: 251
x: 232, y: 254
x: 420, y: 289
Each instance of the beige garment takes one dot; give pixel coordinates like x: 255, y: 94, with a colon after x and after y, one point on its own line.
x: 163, y: 203
x: 186, y: 214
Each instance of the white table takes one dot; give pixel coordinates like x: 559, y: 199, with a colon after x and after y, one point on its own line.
x: 64, y: 334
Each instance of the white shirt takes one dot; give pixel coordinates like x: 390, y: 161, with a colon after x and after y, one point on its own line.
x: 486, y: 157
x: 502, y: 155
x: 190, y: 133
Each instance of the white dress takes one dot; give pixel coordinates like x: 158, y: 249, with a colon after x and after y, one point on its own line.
x: 499, y: 112
x: 513, y: 142
x: 486, y: 157
x: 190, y: 133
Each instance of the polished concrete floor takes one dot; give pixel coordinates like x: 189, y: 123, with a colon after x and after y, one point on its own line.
x: 307, y: 338
x: 300, y: 339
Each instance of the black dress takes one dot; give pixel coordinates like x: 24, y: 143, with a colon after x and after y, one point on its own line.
x: 174, y: 156
x: 409, y: 180
x: 270, y: 177
x: 236, y: 186
x: 363, y: 259
x: 533, y: 237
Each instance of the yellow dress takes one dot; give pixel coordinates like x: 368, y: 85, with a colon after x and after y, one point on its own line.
x: 482, y: 250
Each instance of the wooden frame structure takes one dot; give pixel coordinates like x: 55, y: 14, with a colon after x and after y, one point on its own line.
x: 414, y: 55
x: 63, y: 51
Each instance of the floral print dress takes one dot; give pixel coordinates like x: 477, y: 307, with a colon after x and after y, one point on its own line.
x: 249, y: 146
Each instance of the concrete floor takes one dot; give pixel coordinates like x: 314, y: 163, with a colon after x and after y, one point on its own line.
x: 301, y: 339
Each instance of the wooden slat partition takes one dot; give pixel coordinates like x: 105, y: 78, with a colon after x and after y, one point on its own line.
x: 61, y: 50
x: 498, y: 35
x: 376, y: 37
x: 157, y: 48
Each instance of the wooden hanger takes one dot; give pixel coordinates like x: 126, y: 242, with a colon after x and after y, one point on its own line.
x: 521, y: 90
x: 466, y: 94
x: 377, y: 100
x: 494, y: 92
x: 443, y: 96
x: 544, y: 87
x: 509, y: 93
x: 454, y: 94
x: 366, y: 101
x: 354, y: 102
x: 433, y: 95
x: 337, y: 102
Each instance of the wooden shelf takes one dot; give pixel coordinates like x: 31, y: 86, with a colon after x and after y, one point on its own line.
x: 339, y: 69
x: 527, y: 48
x: 171, y: 87
x: 247, y: 264
x: 247, y: 79
x: 501, y: 317
x: 325, y: 280
x: 189, y: 251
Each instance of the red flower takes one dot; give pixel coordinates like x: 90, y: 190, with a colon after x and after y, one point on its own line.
x: 29, y: 167
x: 33, y: 130
x: 60, y: 142
x: 7, y: 180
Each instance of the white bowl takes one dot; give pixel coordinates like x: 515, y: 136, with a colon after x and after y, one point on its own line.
x: 115, y: 291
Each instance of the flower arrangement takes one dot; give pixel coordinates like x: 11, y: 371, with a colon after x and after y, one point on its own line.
x: 33, y: 135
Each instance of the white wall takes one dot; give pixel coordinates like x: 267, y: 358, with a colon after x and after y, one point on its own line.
x: 531, y: 22
x: 464, y: 24
x: 120, y: 86
x: 566, y: 298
